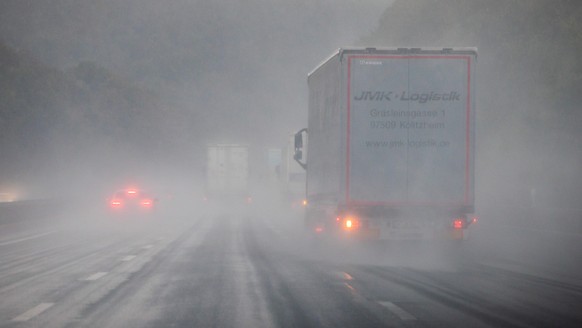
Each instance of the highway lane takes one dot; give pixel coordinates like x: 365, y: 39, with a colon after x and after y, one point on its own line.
x: 256, y: 269
x: 72, y: 263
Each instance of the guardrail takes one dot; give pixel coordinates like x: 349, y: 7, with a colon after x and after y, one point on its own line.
x: 36, y: 209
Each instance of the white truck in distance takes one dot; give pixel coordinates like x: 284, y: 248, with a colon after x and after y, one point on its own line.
x: 227, y: 172
x: 391, y: 143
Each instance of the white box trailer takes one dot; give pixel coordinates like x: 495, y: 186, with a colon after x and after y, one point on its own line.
x: 391, y: 143
x: 227, y: 171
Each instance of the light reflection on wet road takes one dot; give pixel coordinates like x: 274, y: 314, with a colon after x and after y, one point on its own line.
x: 258, y: 270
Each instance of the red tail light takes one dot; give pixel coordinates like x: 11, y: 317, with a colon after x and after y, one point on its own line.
x: 459, y: 223
x: 116, y: 203
x: 146, y: 202
x: 319, y: 229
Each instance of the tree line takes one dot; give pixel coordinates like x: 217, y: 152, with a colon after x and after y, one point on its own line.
x: 53, y: 118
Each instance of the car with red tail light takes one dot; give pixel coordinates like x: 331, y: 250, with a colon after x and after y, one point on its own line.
x: 132, y: 201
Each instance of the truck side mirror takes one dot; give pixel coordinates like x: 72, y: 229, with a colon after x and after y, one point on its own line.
x: 298, y: 156
x: 298, y: 140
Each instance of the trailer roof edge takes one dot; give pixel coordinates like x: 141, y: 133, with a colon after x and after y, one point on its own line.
x: 396, y: 50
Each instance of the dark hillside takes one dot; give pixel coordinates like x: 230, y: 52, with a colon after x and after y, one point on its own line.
x: 229, y: 68
x: 52, y: 119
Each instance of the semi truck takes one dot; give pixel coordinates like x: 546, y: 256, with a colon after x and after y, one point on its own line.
x: 391, y: 143
x: 227, y: 172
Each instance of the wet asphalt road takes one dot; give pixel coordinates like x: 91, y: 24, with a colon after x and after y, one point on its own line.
x: 256, y: 269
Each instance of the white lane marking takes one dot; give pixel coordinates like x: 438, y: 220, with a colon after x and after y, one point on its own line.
x: 33, y: 312
x: 27, y: 238
x: 128, y: 258
x: 95, y: 276
x: 148, y: 246
x: 403, y: 315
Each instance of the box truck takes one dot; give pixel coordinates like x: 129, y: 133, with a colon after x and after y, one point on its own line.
x: 391, y: 143
x: 227, y: 172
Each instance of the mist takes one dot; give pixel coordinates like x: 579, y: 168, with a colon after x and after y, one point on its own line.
x: 148, y: 179
x: 144, y: 85
x: 139, y: 88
